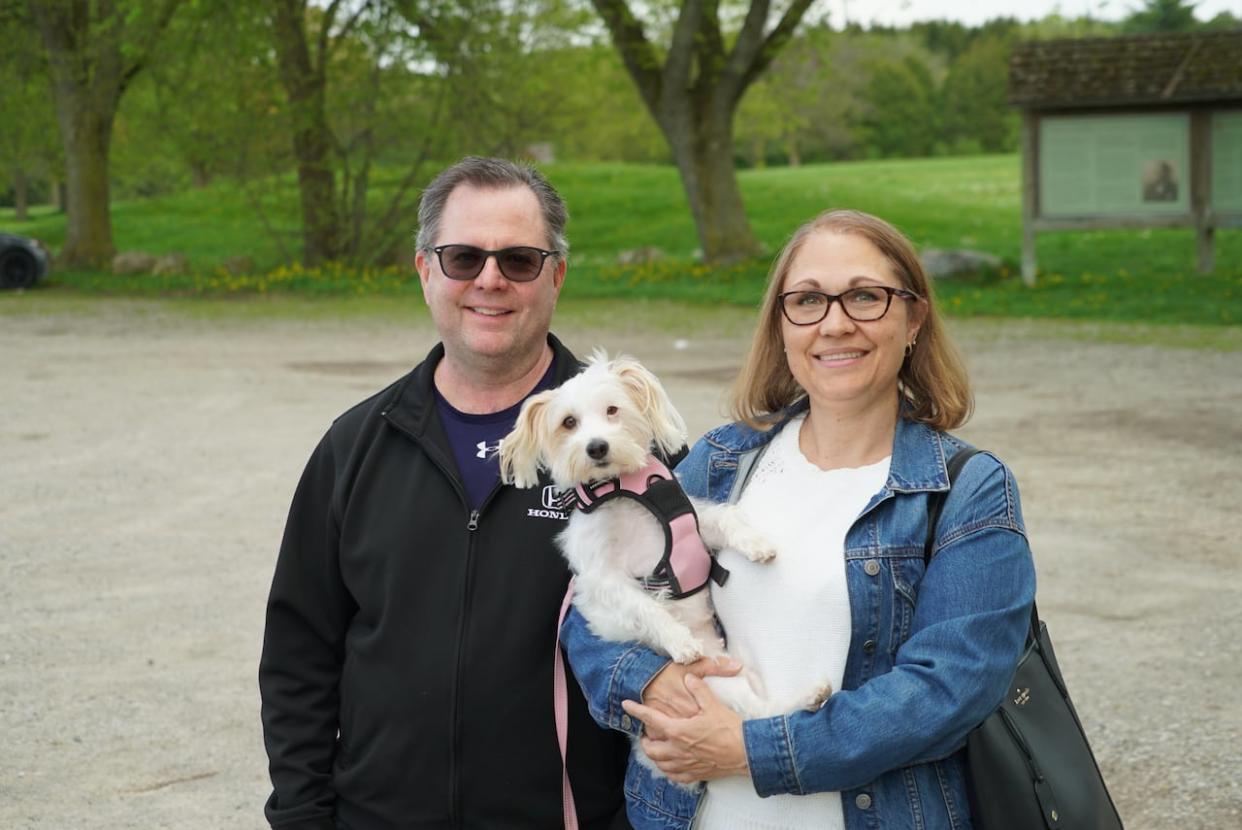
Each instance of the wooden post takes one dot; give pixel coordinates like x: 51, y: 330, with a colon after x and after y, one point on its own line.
x: 1030, y: 192
x: 1201, y: 187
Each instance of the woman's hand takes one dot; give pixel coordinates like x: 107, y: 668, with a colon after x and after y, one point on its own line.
x: 703, y: 747
x: 667, y: 693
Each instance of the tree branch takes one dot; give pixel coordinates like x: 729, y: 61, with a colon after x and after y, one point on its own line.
x: 709, y: 49
x: 636, y: 51
x: 759, y: 56
x: 325, y: 30
x: 147, y: 43
x: 682, y: 49
x: 345, y: 30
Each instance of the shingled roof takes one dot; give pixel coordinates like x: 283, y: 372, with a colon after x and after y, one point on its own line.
x: 1125, y: 71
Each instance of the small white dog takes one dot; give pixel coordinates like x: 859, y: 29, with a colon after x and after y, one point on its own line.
x: 635, y: 579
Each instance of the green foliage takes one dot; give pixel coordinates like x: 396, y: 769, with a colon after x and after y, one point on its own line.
x: 1162, y: 16
x: 782, y: 111
x: 977, y: 114
x: 207, y: 107
x: 942, y: 203
x: 29, y: 149
x: 902, y: 118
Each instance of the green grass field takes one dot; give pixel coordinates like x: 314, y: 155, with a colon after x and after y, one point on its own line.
x: 1143, y: 276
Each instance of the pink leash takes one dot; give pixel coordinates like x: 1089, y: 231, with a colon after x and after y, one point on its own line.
x: 560, y: 701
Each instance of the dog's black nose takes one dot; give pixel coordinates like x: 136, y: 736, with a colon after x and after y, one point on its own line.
x: 597, y: 448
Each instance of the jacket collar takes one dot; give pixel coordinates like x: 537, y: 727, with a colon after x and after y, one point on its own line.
x: 918, y: 462
x: 918, y: 458
x: 412, y: 403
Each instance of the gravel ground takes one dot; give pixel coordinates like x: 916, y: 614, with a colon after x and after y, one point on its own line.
x: 147, y: 458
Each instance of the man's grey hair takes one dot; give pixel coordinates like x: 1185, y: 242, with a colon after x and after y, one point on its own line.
x: 492, y: 174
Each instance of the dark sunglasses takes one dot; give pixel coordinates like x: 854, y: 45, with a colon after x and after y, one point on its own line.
x: 521, y: 263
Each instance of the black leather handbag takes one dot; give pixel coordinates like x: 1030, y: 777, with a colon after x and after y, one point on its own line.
x: 1029, y: 766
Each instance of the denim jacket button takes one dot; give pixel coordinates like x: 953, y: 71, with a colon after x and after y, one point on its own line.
x: 871, y: 567
x: 626, y: 723
x: 863, y: 802
x: 869, y: 647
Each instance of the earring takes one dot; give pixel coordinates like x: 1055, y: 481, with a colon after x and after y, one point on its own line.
x: 910, y: 347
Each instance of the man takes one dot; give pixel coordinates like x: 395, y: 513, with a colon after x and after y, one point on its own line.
x: 406, y: 673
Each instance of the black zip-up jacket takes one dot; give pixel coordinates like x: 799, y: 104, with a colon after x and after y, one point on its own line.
x: 422, y: 632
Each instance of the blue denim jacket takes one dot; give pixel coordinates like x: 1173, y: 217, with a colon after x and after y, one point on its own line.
x: 931, y: 654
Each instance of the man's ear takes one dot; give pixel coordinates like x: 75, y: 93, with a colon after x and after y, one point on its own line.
x: 423, y: 265
x: 558, y: 275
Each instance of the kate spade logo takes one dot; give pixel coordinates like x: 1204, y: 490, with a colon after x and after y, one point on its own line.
x: 1023, y: 698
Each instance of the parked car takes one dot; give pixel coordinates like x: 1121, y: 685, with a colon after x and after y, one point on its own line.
x: 23, y: 261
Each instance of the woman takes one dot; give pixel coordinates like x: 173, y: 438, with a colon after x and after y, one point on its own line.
x: 842, y: 409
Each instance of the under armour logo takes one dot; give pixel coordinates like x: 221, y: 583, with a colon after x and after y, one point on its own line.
x: 486, y: 449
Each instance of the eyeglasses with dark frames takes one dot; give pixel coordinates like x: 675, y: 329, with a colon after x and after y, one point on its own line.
x: 863, y: 304
x: 521, y: 263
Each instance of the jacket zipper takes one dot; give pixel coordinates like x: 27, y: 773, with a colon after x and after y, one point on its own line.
x: 472, y: 524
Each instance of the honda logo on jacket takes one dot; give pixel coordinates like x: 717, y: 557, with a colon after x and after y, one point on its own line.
x: 552, y: 501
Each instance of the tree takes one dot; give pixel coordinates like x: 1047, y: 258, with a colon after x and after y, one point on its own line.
x: 303, y: 73
x: 782, y: 107
x: 1162, y: 16
x: 693, y: 95
x: 204, y: 107
x: 28, y: 150
x: 903, y: 116
x: 94, y: 50
x: 977, y: 115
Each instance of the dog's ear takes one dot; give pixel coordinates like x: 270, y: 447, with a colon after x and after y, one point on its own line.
x: 668, y: 430
x: 521, y: 455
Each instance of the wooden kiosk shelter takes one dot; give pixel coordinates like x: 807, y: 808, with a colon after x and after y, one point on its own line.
x: 1130, y: 132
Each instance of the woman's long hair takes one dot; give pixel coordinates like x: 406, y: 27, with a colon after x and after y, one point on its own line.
x: 932, y: 381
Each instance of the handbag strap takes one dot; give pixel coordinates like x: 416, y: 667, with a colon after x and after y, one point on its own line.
x: 935, y: 504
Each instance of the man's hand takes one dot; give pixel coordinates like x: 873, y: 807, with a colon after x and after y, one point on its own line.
x: 667, y: 692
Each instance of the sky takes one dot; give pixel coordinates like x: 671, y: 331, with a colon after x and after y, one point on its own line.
x: 901, y: 12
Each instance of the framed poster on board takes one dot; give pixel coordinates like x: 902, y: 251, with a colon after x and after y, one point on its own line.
x: 1114, y: 165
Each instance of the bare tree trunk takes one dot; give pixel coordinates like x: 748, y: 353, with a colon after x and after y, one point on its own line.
x: 21, y: 195
x: 88, y: 136
x: 795, y: 156
x: 703, y: 153
x: 316, y: 182
x: 304, y: 82
x: 87, y: 78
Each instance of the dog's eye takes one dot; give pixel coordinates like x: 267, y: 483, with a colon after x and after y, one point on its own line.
x: 612, y: 410
x: 570, y: 422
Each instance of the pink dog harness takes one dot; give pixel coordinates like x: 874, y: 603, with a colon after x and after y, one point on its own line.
x: 684, y: 569
x: 686, y: 565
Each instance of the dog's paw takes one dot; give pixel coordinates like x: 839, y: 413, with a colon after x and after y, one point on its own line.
x: 685, y: 650
x: 816, y: 697
x: 754, y: 546
x: 761, y: 555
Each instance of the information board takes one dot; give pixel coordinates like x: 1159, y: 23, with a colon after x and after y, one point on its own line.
x: 1114, y: 165
x: 1227, y: 162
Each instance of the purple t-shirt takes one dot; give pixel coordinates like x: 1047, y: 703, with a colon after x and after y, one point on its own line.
x: 475, y: 439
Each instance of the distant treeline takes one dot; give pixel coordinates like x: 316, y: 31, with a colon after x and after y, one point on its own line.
x: 207, y: 97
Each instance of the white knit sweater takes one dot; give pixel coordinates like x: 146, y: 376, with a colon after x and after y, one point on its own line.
x: 789, y: 619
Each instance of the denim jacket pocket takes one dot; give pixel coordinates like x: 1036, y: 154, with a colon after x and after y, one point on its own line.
x: 907, y: 574
x: 656, y: 803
